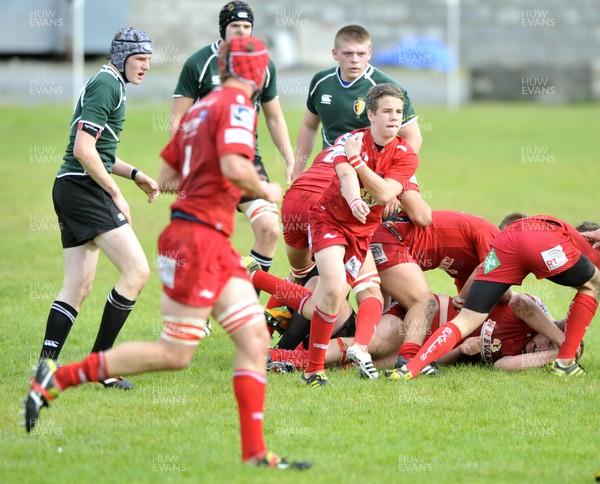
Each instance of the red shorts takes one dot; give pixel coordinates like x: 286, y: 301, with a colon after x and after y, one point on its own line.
x: 388, y: 250
x: 326, y: 232
x: 295, y: 209
x: 195, y: 262
x: 535, y: 246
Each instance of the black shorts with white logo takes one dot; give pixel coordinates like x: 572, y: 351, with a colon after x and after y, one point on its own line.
x: 84, y: 210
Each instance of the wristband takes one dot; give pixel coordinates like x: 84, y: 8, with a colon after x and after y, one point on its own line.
x: 134, y: 172
x: 356, y: 161
x: 354, y: 202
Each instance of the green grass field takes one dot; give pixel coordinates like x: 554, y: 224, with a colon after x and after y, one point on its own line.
x: 472, y: 425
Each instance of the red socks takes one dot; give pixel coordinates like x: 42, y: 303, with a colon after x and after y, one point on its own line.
x: 581, y: 313
x: 91, y: 369
x: 298, y: 357
x: 250, y: 388
x: 287, y: 292
x: 438, y: 344
x: 367, y: 319
x: 409, y: 350
x: 321, y: 329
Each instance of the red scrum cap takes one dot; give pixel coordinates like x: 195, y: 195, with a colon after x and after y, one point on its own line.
x: 245, y: 59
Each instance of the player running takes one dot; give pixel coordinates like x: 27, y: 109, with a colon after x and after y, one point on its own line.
x: 209, y: 162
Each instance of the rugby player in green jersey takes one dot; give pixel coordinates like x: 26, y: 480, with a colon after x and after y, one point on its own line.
x: 92, y: 213
x: 200, y: 76
x: 336, y: 97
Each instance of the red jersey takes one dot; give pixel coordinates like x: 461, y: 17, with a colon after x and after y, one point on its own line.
x: 318, y: 177
x: 396, y: 160
x: 579, y: 241
x: 455, y: 242
x: 223, y: 122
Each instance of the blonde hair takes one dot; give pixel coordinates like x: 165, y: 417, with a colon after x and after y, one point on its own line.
x: 352, y: 33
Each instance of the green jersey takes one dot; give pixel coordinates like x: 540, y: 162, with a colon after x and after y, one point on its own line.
x: 100, y: 111
x: 200, y: 75
x: 342, y: 106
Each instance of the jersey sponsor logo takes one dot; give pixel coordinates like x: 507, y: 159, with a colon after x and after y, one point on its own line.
x: 239, y: 136
x: 378, y: 253
x: 367, y: 197
x: 242, y: 116
x: 353, y: 266
x: 359, y: 106
x: 490, y: 262
x: 489, y: 345
x: 326, y: 99
x: 329, y: 236
x: 446, y: 264
x: 402, y: 147
x: 216, y: 80
x: 554, y: 258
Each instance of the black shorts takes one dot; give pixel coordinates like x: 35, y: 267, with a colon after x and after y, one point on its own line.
x: 84, y: 210
x: 262, y: 173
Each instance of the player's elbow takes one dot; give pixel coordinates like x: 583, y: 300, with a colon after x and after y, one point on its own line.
x: 421, y: 218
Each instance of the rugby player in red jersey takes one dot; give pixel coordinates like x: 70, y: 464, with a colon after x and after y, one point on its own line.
x: 542, y: 245
x: 209, y: 162
x: 372, y: 166
x: 455, y: 242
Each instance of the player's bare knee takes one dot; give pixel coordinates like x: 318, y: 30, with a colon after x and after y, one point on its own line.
x: 267, y: 230
x: 137, y: 276
x: 173, y: 359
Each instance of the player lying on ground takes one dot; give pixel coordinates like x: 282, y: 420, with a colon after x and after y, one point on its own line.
x: 507, y: 339
x: 455, y: 242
